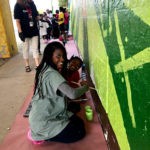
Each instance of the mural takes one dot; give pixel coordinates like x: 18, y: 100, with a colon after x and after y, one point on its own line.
x: 114, y: 39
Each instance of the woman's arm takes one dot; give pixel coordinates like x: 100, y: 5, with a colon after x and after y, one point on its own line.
x: 18, y: 25
x: 72, y: 93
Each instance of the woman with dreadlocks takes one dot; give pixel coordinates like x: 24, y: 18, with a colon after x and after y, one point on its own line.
x: 49, y: 118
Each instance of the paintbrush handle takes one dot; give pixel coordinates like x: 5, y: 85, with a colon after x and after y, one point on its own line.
x: 91, y: 88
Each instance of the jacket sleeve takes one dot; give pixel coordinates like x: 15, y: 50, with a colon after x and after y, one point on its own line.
x: 70, y: 92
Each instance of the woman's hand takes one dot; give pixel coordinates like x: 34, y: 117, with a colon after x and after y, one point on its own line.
x: 83, y: 82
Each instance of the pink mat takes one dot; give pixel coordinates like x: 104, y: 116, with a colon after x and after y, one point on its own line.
x: 71, y: 49
x: 16, y: 139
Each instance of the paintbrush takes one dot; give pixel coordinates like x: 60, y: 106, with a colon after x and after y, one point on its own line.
x: 92, y: 88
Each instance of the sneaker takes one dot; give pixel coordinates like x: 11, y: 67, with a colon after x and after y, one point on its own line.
x: 27, y: 69
x: 26, y: 114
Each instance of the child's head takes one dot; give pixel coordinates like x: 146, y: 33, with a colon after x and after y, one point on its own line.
x: 54, y: 55
x: 57, y: 11
x: 74, y: 63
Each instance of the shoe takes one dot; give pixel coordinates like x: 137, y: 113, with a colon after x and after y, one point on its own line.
x: 27, y: 69
x: 33, y: 141
x: 26, y: 114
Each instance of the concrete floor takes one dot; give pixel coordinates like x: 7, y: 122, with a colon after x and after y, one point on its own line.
x: 15, y: 84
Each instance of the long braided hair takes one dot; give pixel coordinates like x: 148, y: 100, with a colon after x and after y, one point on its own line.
x: 46, y: 62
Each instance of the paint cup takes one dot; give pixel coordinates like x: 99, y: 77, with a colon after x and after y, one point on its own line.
x: 89, y: 113
x: 87, y: 107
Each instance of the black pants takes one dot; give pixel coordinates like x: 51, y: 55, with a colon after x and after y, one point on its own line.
x: 73, y: 132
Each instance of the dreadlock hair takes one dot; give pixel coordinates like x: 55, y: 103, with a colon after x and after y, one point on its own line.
x: 47, y: 61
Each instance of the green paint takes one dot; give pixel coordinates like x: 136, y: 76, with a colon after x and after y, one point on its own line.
x: 118, y: 47
x: 135, y: 62
x: 80, y: 35
x: 122, y: 50
x: 136, y: 6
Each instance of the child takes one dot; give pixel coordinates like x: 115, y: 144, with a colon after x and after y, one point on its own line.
x: 55, y: 27
x: 72, y: 73
x: 49, y: 118
x: 72, y: 76
x: 43, y: 28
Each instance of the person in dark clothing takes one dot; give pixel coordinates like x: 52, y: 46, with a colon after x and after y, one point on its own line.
x: 26, y: 14
x: 55, y: 27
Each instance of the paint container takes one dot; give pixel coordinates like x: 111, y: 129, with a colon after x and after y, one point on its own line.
x: 89, y: 113
x: 87, y: 107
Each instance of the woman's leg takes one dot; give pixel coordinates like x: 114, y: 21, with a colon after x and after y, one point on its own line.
x: 26, y: 54
x: 34, y: 47
x: 25, y: 51
x: 73, y: 132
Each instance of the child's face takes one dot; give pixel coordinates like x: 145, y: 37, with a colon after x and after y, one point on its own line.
x: 58, y: 59
x: 74, y: 65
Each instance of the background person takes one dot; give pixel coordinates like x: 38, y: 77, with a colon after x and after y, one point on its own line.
x: 43, y: 25
x: 55, y: 27
x: 61, y: 20
x: 66, y: 22
x: 25, y: 14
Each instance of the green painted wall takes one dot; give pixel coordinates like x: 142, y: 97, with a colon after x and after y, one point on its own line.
x: 114, y: 39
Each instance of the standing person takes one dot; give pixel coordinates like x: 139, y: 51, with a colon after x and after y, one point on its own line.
x: 57, y: 14
x: 49, y: 19
x: 61, y: 24
x: 49, y: 118
x: 55, y: 28
x: 43, y: 25
x: 66, y: 22
x: 25, y: 14
x: 49, y: 14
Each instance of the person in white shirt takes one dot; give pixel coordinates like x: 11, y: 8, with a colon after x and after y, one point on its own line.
x: 43, y: 25
x: 49, y: 14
